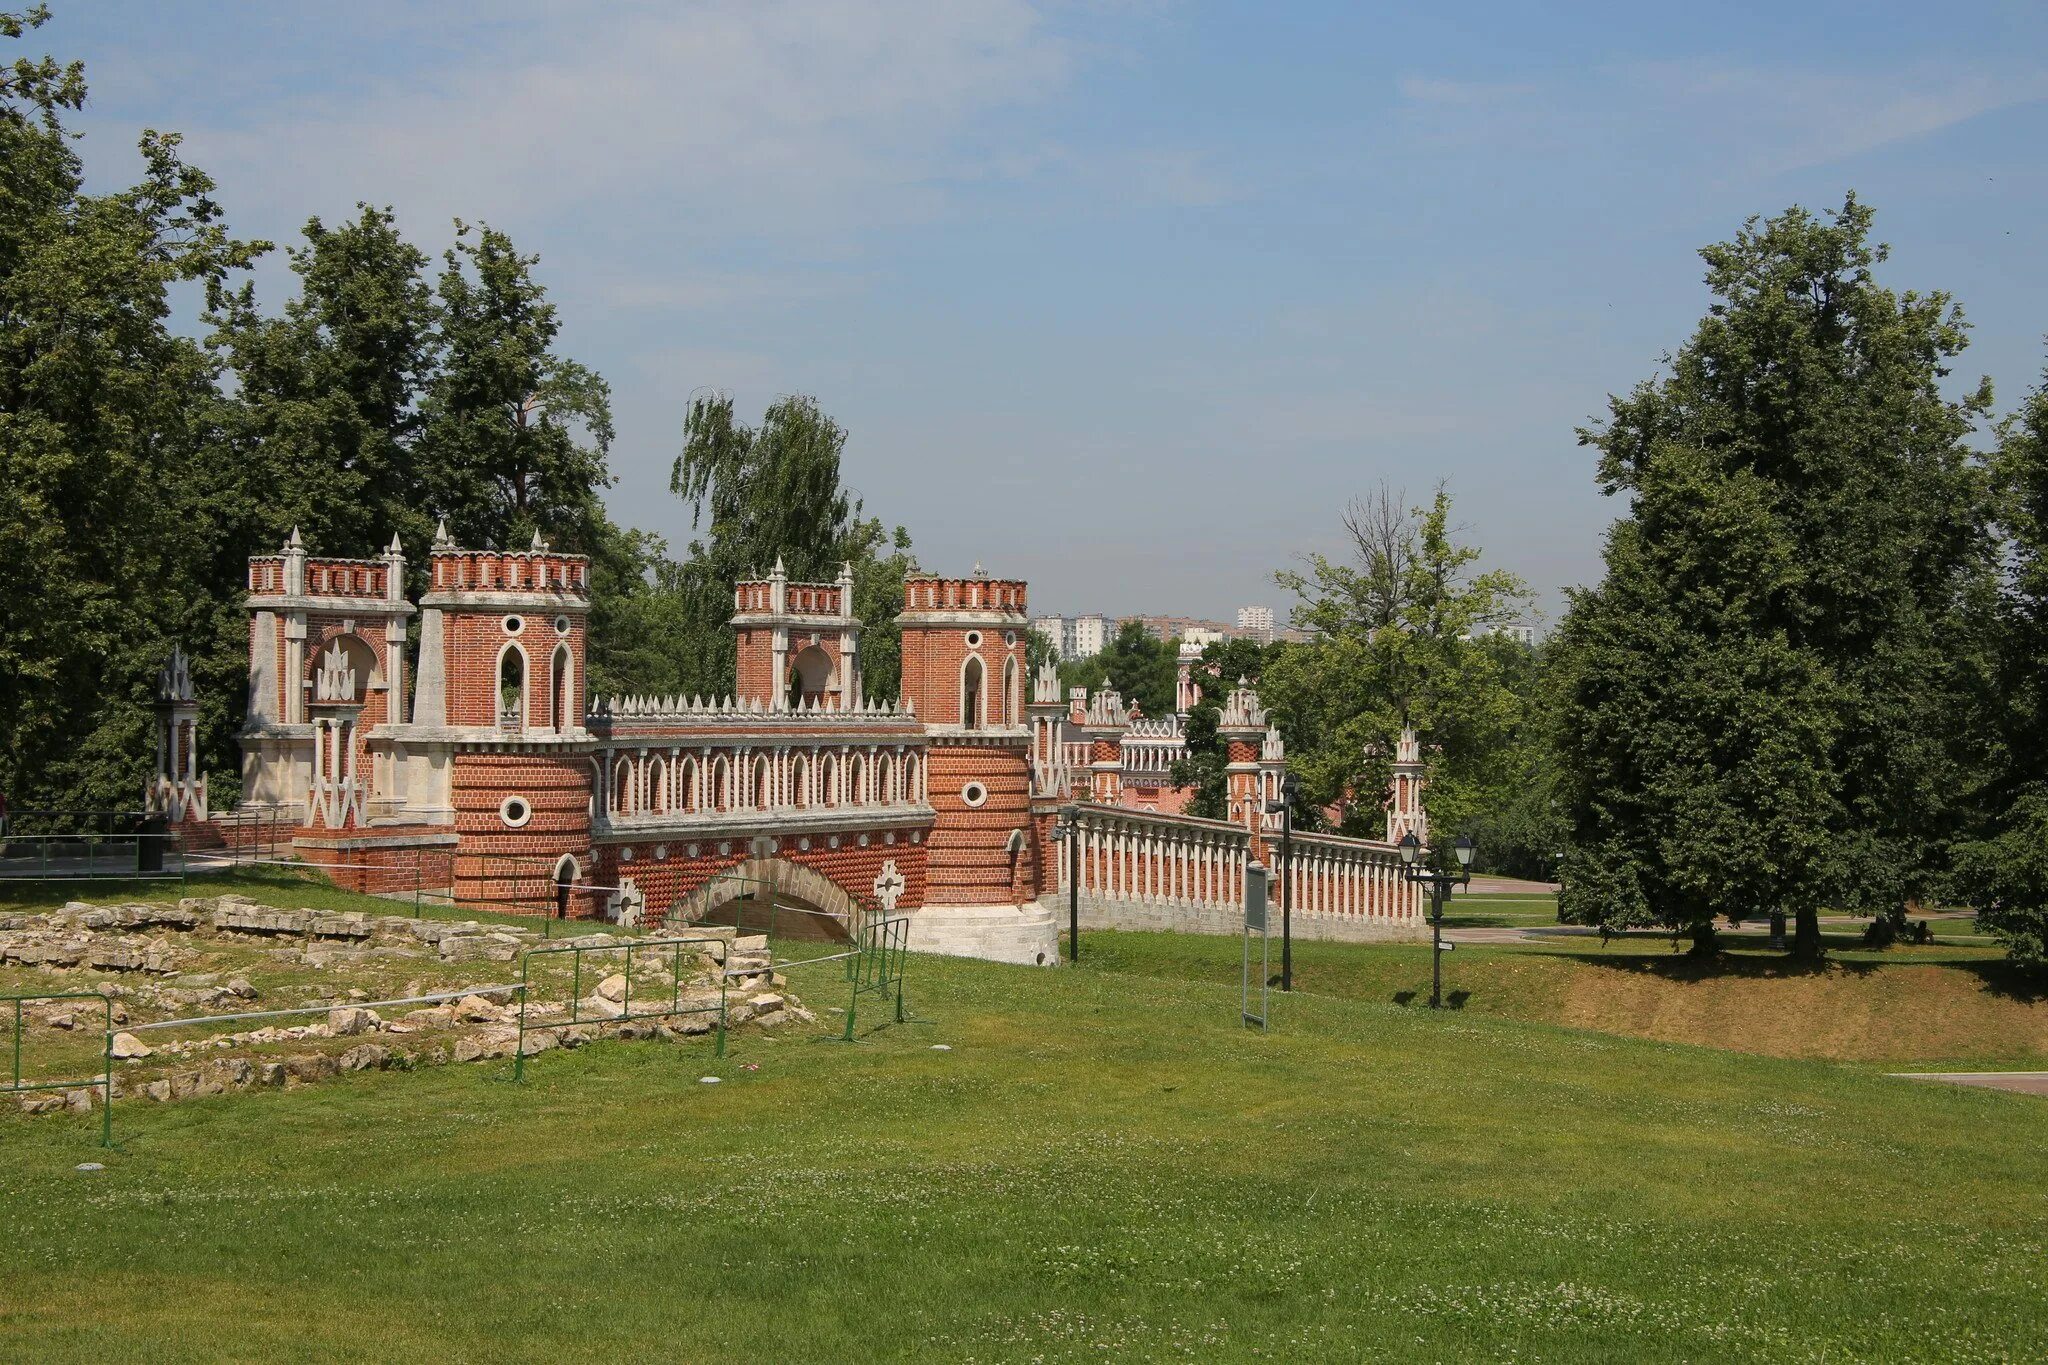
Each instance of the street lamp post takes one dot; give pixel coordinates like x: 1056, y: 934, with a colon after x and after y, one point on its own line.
x: 1440, y: 884
x: 1069, y: 830
x: 1284, y: 808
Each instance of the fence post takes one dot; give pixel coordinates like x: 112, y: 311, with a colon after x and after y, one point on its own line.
x: 107, y: 1079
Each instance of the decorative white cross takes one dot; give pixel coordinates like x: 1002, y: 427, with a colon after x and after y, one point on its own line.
x: 889, y: 885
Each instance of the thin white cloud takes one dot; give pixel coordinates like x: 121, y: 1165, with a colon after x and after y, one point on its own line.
x: 1720, y: 119
x: 795, y: 118
x: 1789, y: 118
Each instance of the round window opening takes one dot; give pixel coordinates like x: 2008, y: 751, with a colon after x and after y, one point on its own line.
x: 515, y: 811
x: 1009, y: 637
x: 561, y: 625
x: 514, y: 624
x: 974, y: 794
x: 974, y: 639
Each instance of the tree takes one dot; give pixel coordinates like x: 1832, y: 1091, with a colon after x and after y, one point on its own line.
x: 1519, y: 828
x: 1819, y: 709
x: 515, y: 436
x: 775, y: 494
x: 1394, y: 649
x: 2004, y: 870
x: 102, y: 410
x: 325, y: 432
x: 1142, y: 668
x: 1694, y: 738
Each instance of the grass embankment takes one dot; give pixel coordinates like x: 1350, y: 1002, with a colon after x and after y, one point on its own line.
x: 1104, y: 1163
x: 1903, y: 1008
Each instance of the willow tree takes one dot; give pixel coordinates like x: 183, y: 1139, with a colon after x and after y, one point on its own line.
x: 769, y: 493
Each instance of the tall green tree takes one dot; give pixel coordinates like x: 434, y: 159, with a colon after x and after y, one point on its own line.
x: 325, y: 423
x: 2004, y: 870
x: 103, y: 408
x: 1142, y: 668
x: 1818, y: 709
x: 776, y: 493
x: 515, y: 435
x: 1394, y: 647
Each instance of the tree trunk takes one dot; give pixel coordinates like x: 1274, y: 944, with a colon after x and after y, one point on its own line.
x: 1705, y: 942
x: 1806, y: 933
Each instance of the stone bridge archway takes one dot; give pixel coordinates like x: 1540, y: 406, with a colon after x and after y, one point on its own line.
x: 806, y: 903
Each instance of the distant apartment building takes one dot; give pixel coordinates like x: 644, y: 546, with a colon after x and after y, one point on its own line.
x: 1524, y: 633
x: 1087, y: 636
x: 1255, y: 623
x: 1053, y: 628
x: 1183, y: 628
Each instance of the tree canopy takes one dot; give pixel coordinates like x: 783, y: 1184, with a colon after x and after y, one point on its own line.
x: 1765, y: 697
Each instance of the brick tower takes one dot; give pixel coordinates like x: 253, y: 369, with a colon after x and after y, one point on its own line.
x: 497, y: 739
x: 963, y: 671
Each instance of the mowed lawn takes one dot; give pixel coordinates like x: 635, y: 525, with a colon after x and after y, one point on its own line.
x: 1104, y: 1165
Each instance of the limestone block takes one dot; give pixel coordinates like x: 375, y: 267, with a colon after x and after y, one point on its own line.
x: 128, y: 1047
x: 612, y: 987
x: 117, y: 957
x: 365, y: 1057
x: 474, y: 1009
x: 346, y: 1021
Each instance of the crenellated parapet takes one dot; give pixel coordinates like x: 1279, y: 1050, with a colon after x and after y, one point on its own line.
x: 797, y: 642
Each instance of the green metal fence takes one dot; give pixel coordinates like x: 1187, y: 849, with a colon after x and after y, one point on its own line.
x: 878, y: 967
x: 92, y: 854
x: 104, y: 1082
x: 652, y: 1005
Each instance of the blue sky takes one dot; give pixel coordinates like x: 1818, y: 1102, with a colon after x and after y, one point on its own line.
x: 1126, y: 298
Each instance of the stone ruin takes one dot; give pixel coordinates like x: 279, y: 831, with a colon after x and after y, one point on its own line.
x: 142, y: 958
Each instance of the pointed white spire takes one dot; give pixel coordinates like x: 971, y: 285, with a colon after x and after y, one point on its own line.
x: 780, y: 572
x: 442, y: 540
x: 292, y: 541
x: 538, y: 544
x: 394, y: 548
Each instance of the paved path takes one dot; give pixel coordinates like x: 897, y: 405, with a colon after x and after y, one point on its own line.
x: 2026, y: 1082
x: 1483, y: 885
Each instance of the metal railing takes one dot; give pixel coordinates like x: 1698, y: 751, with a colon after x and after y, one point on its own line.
x: 104, y: 1082
x: 661, y: 1009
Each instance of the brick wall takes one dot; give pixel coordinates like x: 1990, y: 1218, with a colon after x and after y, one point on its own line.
x: 970, y: 863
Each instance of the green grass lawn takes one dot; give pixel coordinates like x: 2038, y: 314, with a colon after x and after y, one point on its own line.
x: 1105, y: 1165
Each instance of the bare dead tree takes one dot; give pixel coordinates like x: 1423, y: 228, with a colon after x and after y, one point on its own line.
x: 1382, y: 531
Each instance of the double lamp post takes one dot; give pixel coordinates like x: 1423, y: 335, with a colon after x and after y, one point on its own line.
x: 1440, y: 884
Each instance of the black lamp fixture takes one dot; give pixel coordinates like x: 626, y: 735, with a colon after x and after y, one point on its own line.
x: 1440, y: 884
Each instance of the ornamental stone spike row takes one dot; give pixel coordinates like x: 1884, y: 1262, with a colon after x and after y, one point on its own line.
x: 937, y: 802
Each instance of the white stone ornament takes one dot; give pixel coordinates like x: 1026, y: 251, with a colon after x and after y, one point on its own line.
x: 889, y: 885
